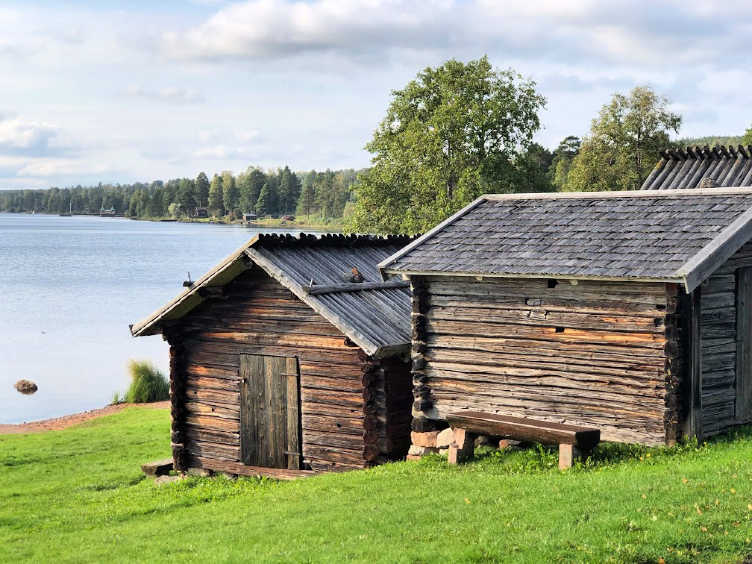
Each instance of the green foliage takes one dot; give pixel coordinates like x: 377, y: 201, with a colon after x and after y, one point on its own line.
x: 230, y: 193
x: 564, y: 154
x: 173, y: 210
x: 714, y: 140
x: 307, y: 200
x: 202, y: 189
x: 267, y: 200
x: 79, y: 494
x: 249, y: 185
x: 147, y: 384
x: 531, y: 170
x: 187, y: 195
x: 449, y: 135
x: 289, y: 191
x: 328, y: 194
x: 623, y: 143
x: 216, y: 196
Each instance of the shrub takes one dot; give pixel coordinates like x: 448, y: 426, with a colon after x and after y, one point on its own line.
x: 147, y: 383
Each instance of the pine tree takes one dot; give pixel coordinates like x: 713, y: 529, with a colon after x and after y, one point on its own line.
x: 256, y: 180
x: 326, y: 195
x: 202, y: 189
x: 264, y: 201
x: 307, y: 200
x: 249, y: 187
x: 289, y: 190
x: 229, y: 192
x: 186, y: 195
x: 216, y: 202
x: 268, y: 200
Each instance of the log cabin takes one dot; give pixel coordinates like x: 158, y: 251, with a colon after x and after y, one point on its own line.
x: 629, y: 312
x: 291, y: 354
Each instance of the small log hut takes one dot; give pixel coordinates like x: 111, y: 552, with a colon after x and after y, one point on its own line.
x: 292, y: 353
x: 630, y: 312
x: 701, y: 167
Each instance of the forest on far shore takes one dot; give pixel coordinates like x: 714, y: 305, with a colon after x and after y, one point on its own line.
x: 316, y: 196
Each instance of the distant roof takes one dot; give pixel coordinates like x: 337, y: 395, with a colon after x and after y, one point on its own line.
x: 376, y: 317
x: 701, y: 167
x: 673, y: 235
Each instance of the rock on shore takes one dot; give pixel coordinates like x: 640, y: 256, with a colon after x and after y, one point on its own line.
x: 26, y: 387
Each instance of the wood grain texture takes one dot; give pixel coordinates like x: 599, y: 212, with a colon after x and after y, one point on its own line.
x: 743, y: 364
x: 593, y: 354
x: 293, y: 447
x: 726, y: 341
x: 257, y: 316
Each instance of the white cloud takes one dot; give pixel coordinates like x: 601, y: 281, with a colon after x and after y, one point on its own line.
x: 270, y: 28
x: 20, y: 136
x: 637, y: 31
x: 228, y: 145
x: 56, y: 167
x: 169, y: 94
x: 210, y: 89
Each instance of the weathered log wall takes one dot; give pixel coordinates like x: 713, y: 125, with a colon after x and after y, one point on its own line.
x: 719, y: 343
x: 604, y: 354
x: 343, y: 404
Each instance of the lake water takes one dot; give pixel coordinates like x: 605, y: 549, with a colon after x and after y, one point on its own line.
x: 69, y: 287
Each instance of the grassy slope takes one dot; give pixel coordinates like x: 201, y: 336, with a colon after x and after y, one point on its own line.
x: 79, y: 495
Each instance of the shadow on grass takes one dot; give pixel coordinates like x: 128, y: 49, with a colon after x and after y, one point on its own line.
x: 539, y: 458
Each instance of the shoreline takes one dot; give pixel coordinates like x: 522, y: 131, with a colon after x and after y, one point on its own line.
x: 271, y: 223
x: 65, y: 421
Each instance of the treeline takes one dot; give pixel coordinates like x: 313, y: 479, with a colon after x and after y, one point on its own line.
x: 321, y: 195
x: 453, y: 133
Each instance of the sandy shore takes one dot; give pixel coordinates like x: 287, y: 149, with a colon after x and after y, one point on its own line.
x: 73, y: 419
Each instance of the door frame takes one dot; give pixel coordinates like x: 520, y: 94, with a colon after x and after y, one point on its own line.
x: 255, y: 431
x: 743, y: 384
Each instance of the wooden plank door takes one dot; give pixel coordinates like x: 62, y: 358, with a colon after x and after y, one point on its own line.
x: 270, y: 411
x: 744, y: 345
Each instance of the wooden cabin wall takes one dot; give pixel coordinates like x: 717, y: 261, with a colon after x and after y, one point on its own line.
x: 718, y: 317
x: 603, y: 354
x: 399, y: 399
x: 344, y: 422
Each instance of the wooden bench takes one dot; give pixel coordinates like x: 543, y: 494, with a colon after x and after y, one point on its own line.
x: 467, y: 425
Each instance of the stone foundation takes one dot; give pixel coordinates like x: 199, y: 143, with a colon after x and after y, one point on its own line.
x: 437, y: 442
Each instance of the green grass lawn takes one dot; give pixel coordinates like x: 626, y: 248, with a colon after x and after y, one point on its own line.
x: 79, y: 495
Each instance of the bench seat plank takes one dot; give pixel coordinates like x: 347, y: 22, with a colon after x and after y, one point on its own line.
x: 526, y: 429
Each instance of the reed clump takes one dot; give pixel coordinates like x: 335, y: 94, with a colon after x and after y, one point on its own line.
x: 148, y: 384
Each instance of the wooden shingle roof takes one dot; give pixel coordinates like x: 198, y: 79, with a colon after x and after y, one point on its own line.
x: 673, y: 235
x: 701, y: 167
x: 373, y: 314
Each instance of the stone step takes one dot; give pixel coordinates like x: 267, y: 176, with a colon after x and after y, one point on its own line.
x: 158, y: 467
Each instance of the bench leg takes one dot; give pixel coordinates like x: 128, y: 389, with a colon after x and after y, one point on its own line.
x: 462, y: 447
x: 567, y: 454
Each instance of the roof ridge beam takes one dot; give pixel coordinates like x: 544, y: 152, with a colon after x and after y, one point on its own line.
x: 731, y: 190
x: 355, y: 287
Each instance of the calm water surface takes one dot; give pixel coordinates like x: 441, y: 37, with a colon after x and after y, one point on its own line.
x: 69, y: 287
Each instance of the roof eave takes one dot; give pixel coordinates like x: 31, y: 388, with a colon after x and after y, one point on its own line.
x: 663, y: 279
x: 700, y: 266
x: 427, y: 235
x: 190, y: 298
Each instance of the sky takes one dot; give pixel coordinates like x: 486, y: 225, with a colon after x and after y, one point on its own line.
x: 135, y: 91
